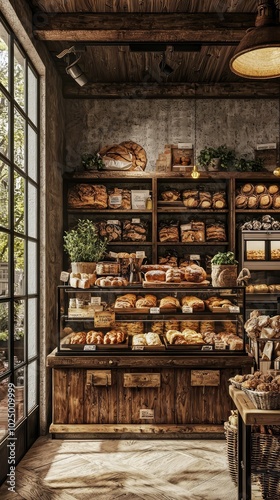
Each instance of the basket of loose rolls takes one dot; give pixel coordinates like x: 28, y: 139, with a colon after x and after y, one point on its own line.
x: 257, y: 196
x: 263, y: 389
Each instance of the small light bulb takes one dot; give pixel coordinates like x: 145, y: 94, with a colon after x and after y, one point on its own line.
x: 276, y: 172
x: 195, y: 174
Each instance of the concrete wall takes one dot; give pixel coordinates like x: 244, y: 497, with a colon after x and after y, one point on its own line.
x: 240, y: 124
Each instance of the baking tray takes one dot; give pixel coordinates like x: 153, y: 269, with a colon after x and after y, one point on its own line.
x: 96, y: 347
x: 186, y: 347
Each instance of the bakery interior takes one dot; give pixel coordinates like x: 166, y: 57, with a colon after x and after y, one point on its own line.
x: 159, y: 368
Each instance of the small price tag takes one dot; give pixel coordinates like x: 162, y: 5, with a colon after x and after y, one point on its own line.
x: 103, y: 319
x: 220, y: 345
x: 234, y: 309
x: 95, y: 301
x: 138, y: 347
x: 140, y: 254
x: 64, y: 276
x: 116, y: 222
x: 194, y: 257
x: 187, y: 309
x: 207, y: 348
x: 154, y: 310
x: 91, y: 347
x: 135, y: 221
x: 113, y: 254
x: 185, y: 145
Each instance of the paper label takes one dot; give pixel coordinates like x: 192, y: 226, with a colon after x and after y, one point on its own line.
x: 207, y: 348
x: 220, y: 344
x: 140, y: 254
x: 136, y: 221
x: 96, y: 301
x: 138, y: 199
x: 269, y: 145
x: 187, y: 309
x: 113, y: 254
x: 147, y: 413
x: 104, y: 318
x: 184, y: 145
x: 138, y: 347
x: 64, y: 276
x: 114, y: 222
x: 234, y: 309
x: 115, y: 199
x: 194, y: 257
x: 90, y: 347
x: 154, y: 310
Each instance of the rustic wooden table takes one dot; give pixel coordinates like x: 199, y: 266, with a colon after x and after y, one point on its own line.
x: 248, y: 415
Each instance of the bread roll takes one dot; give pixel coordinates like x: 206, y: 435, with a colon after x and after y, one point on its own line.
x: 94, y: 337
x: 78, y: 338
x: 147, y: 301
x: 195, y: 302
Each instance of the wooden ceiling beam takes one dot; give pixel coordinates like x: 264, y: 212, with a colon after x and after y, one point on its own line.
x: 214, y: 27
x: 246, y: 90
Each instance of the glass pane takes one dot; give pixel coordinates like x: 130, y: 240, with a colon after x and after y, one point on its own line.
x: 19, y: 393
x: 19, y: 259
x: 32, y: 153
x: 19, y: 140
x: 4, y: 57
x: 19, y: 78
x: 32, y: 268
x: 255, y: 250
x: 4, y: 264
x: 4, y: 194
x: 32, y: 385
x: 32, y: 96
x: 32, y: 211
x: 4, y: 126
x: 275, y: 250
x: 19, y: 321
x: 19, y: 188
x: 4, y: 407
x: 4, y: 335
x: 32, y: 328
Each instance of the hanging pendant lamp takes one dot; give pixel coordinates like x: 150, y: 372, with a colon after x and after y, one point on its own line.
x: 258, y: 53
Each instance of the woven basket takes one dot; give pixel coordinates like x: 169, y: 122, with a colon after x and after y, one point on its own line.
x: 231, y: 439
x: 235, y: 384
x: 264, y: 400
x: 265, y: 463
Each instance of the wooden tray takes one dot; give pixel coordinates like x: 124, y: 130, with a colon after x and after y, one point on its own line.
x: 191, y: 347
x: 96, y: 347
x: 183, y: 284
x: 147, y: 347
x: 162, y: 203
x: 132, y: 310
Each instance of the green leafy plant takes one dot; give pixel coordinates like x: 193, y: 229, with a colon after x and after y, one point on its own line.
x: 83, y: 243
x: 92, y: 161
x: 226, y: 156
x: 224, y: 258
x: 244, y: 165
x: 4, y: 336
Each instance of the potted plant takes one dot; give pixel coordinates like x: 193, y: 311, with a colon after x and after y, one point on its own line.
x: 92, y: 161
x: 224, y: 269
x: 221, y: 157
x: 84, y: 246
x: 245, y: 165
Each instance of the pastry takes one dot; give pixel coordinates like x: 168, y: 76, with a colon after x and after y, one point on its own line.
x: 190, y: 324
x: 273, y: 189
x: 260, y: 189
x: 78, y: 338
x: 94, y: 337
x: 241, y: 201
x: 190, y: 198
x: 125, y: 301
x: 253, y: 201
x: 173, y: 275
x: 114, y: 337
x: 265, y: 200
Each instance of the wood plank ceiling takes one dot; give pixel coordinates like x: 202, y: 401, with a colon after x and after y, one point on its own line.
x: 105, y: 33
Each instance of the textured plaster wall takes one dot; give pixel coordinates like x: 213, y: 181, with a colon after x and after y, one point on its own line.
x: 240, y: 124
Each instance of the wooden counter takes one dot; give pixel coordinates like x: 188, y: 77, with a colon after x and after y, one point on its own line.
x: 150, y: 394
x: 248, y: 415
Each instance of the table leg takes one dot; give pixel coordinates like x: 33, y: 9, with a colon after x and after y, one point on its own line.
x: 244, y: 460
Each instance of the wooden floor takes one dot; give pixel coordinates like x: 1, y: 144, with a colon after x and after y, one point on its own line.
x: 119, y: 469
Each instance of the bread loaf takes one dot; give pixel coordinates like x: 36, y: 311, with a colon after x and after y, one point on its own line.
x: 87, y: 196
x: 147, y: 301
x: 195, y: 273
x: 155, y: 275
x: 94, y: 337
x: 169, y: 303
x: 195, y: 302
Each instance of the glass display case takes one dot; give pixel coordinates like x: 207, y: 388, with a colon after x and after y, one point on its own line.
x: 155, y: 320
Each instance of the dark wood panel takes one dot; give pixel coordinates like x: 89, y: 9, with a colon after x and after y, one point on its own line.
x: 75, y: 394
x: 167, y: 396
x: 60, y: 399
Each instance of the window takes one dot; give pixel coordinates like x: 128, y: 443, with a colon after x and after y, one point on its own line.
x: 19, y: 234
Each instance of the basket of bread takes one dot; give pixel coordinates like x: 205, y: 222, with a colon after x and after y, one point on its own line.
x: 263, y: 389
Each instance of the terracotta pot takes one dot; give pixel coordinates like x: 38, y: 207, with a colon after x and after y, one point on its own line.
x: 83, y: 267
x: 224, y: 275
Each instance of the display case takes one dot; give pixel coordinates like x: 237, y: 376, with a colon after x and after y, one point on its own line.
x: 160, y: 319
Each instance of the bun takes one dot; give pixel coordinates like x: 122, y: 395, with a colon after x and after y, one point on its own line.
x: 114, y: 337
x: 78, y: 338
x: 195, y: 273
x: 155, y: 275
x: 94, y: 337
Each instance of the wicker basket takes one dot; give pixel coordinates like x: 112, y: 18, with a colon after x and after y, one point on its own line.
x: 235, y: 384
x: 265, y: 463
x: 231, y: 439
x: 264, y: 400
